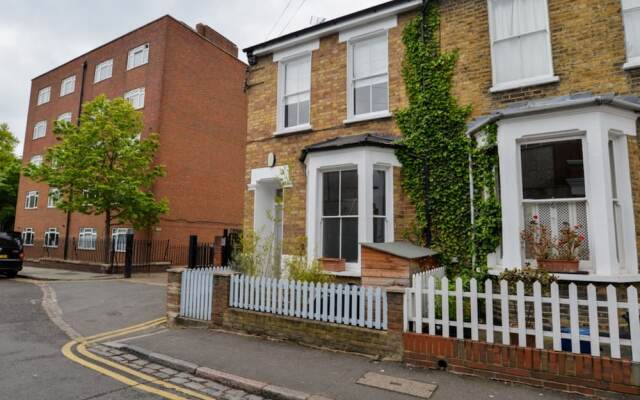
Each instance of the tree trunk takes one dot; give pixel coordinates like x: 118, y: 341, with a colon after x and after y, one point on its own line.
x: 107, y: 236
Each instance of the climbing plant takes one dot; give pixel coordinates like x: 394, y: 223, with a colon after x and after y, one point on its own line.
x: 434, y: 131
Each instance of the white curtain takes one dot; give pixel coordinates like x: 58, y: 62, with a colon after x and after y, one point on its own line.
x: 297, y: 76
x: 631, y: 11
x: 370, y: 57
x: 520, y: 36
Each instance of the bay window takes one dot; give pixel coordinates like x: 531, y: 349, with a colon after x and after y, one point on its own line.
x: 520, y: 43
x: 368, y: 75
x: 379, y: 205
x: 340, y: 215
x: 631, y: 16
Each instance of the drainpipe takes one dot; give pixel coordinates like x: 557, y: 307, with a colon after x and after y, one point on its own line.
x: 68, y: 226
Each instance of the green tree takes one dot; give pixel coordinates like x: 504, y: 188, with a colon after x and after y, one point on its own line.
x: 9, y: 177
x: 102, y: 167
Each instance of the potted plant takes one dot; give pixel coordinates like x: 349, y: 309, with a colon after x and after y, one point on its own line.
x: 560, y: 255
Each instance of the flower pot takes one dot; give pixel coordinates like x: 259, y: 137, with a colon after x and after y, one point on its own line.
x: 561, y: 266
x: 333, y: 264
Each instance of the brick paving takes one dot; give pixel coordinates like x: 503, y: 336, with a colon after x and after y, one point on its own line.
x: 183, y: 379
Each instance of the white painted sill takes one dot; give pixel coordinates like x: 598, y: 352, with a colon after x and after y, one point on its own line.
x: 293, y: 129
x: 632, y: 64
x: 501, y: 87
x: 367, y: 117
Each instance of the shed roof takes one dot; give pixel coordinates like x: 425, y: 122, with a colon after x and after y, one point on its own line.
x: 402, y: 249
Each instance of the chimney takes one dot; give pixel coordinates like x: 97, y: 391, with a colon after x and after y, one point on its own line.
x: 214, y: 37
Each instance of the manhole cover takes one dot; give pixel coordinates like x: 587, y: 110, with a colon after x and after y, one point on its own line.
x: 399, y: 385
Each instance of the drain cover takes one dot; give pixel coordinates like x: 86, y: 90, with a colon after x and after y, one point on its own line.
x: 400, y: 385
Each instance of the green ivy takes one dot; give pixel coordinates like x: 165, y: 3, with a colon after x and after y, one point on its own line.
x: 434, y: 129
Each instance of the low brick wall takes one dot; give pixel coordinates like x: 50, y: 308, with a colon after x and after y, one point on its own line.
x: 372, y: 342
x: 542, y: 368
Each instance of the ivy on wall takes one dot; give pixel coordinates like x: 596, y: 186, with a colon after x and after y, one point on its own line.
x: 434, y: 129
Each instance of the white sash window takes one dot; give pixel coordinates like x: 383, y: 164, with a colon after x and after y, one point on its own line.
x: 631, y: 16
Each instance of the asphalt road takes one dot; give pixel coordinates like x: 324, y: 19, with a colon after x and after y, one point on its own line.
x: 31, y: 364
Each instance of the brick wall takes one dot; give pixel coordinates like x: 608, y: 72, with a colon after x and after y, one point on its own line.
x: 542, y: 368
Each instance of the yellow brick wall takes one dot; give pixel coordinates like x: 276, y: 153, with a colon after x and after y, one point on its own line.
x: 587, y: 40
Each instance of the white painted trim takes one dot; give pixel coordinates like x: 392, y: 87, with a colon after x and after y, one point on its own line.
x: 596, y: 122
x: 632, y: 63
x: 367, y: 117
x: 348, y: 24
x: 630, y: 278
x: 293, y: 52
x: 293, y: 129
x: 497, y: 87
x: 540, y: 80
x: 280, y: 173
x: 369, y: 29
x: 364, y: 159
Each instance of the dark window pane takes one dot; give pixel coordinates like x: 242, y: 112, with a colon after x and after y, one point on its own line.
x: 291, y: 115
x: 379, y: 201
x: 330, y: 193
x: 379, y: 97
x: 331, y: 238
x: 378, y: 230
x: 303, y: 112
x: 350, y: 239
x: 552, y: 170
x: 361, y: 100
x: 349, y: 193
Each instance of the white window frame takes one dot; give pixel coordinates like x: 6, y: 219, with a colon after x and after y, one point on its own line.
x: 28, y: 233
x: 281, y: 122
x: 531, y: 81
x: 365, y: 159
x: 65, y: 117
x: 44, y: 95
x: 47, y: 240
x: 351, y: 116
x: 103, y: 71
x: 87, y: 238
x: 31, y: 200
x: 632, y: 62
x: 52, y: 197
x: 36, y: 160
x: 385, y: 216
x: 143, y: 49
x: 119, y: 238
x: 135, y: 97
x: 39, y: 130
x: 68, y: 85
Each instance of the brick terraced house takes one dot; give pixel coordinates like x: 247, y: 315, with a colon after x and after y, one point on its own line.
x: 556, y: 76
x: 189, y: 85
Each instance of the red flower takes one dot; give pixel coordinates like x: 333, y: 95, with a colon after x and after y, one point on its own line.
x: 535, y: 216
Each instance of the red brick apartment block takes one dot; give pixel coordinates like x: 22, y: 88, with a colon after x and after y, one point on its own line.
x: 192, y: 85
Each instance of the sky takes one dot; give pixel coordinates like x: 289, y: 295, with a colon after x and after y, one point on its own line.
x: 36, y: 36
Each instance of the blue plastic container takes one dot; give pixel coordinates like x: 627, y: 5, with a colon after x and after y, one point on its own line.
x: 585, y: 345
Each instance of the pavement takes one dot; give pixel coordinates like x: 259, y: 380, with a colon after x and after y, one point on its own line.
x: 315, y: 371
x: 50, y: 274
x: 33, y: 366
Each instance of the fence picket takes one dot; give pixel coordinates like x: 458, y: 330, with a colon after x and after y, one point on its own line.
x: 459, y: 310
x: 573, y: 318
x: 183, y: 292
x: 339, y: 294
x: 378, y: 298
x: 431, y: 304
x: 332, y: 303
x: 614, y: 331
x: 362, y: 305
x: 354, y: 305
x: 504, y: 308
x: 298, y: 299
x: 522, y: 321
x: 305, y: 299
x: 418, y: 304
x: 634, y: 323
x: 488, y: 306
x: 444, y: 284
x: 312, y: 301
x: 318, y: 301
x: 285, y: 297
x: 384, y: 310
x: 369, y: 317
x: 346, y: 317
x: 325, y: 302
x: 537, y: 314
x: 474, y: 308
x: 555, y: 316
x: 594, y: 328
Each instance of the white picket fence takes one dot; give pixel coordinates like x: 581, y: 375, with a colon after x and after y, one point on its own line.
x: 335, y: 303
x: 419, y: 312
x: 196, y: 293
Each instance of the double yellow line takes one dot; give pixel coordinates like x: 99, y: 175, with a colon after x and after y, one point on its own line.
x: 74, y: 349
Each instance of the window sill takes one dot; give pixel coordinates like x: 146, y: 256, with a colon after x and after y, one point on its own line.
x: 293, y: 129
x: 632, y: 64
x: 367, y: 117
x: 501, y: 87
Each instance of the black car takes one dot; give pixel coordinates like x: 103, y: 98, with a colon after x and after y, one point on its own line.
x: 11, y: 254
